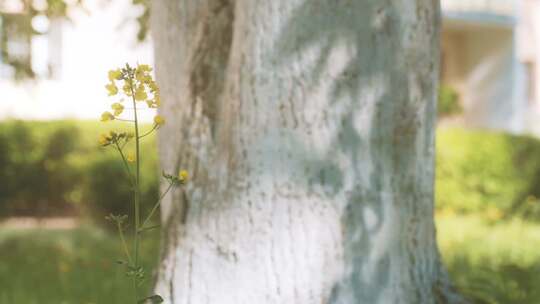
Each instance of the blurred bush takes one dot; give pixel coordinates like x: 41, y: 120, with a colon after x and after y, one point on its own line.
x: 494, y: 173
x: 35, y: 172
x: 107, y: 189
x: 57, y: 168
x: 448, y: 103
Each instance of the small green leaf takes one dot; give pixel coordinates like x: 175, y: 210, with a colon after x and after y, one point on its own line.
x: 155, y: 299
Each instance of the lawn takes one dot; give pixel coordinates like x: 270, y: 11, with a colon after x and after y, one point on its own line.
x: 492, y: 261
x: 489, y: 262
x: 66, y: 266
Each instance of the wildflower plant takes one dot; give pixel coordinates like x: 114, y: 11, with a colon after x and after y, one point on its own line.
x: 139, y: 88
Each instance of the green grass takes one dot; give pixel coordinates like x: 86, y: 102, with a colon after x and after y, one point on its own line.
x: 492, y: 261
x: 66, y: 267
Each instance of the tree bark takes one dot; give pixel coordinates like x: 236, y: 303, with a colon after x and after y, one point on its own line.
x: 308, y: 128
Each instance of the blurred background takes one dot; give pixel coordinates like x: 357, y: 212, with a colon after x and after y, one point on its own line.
x: 57, y: 185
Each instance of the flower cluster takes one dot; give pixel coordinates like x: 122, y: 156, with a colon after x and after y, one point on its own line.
x: 113, y: 137
x: 135, y: 83
x: 181, y: 178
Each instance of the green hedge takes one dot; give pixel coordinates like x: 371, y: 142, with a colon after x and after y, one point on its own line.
x: 57, y: 168
x: 481, y: 170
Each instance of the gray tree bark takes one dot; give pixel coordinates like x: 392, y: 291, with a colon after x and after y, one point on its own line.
x: 308, y: 127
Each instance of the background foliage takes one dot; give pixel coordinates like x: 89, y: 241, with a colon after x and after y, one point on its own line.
x: 487, y: 213
x: 488, y: 172
x: 58, y: 168
x: 448, y: 102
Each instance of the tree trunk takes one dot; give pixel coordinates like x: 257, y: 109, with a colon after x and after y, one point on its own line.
x: 308, y: 128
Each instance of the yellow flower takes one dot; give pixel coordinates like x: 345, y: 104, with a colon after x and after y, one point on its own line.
x: 127, y: 88
x: 183, y: 176
x: 118, y: 108
x: 112, y: 89
x: 153, y: 103
x: 142, y: 77
x: 115, y: 75
x: 140, y: 94
x: 112, y: 135
x: 106, y: 116
x: 144, y: 68
x: 153, y: 87
x: 142, y: 73
x: 130, y: 158
x: 103, y: 139
x: 159, y: 120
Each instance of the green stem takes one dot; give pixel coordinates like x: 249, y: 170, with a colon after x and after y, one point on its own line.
x: 149, y: 132
x: 126, y: 165
x: 137, y: 192
x: 136, y: 288
x: 124, y: 243
x: 156, y: 206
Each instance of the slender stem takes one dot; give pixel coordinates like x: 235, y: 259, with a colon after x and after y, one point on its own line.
x: 137, y: 176
x: 121, y: 119
x: 136, y: 288
x: 148, y: 228
x: 156, y: 206
x: 126, y: 165
x: 149, y: 132
x: 136, y: 200
x: 126, y: 250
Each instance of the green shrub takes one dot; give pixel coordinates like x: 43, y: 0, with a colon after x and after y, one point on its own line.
x: 54, y: 168
x: 448, y: 103
x: 57, y: 168
x: 107, y: 190
x: 35, y: 172
x: 478, y: 170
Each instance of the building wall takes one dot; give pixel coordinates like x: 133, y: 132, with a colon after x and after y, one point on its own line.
x: 492, y: 7
x: 479, y: 61
x: 528, y: 33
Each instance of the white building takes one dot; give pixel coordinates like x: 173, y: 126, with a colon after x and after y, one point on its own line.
x: 71, y: 60
x: 490, y: 55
